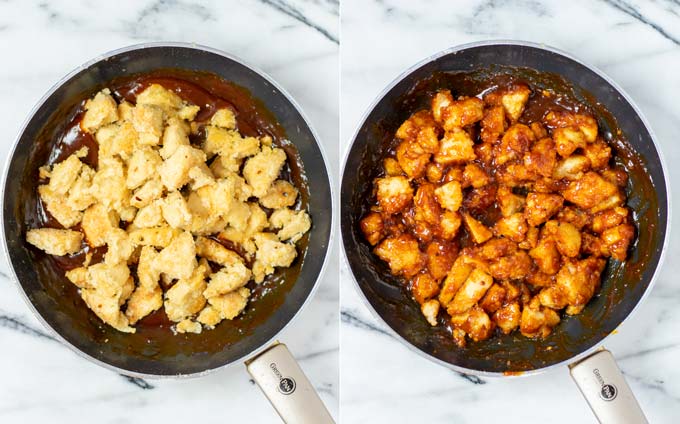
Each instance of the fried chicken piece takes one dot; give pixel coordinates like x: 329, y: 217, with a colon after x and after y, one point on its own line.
x: 477, y: 230
x: 393, y: 193
x: 587, y: 125
x: 493, y: 299
x: 609, y: 218
x: 412, y: 159
x: 572, y: 167
x: 542, y: 158
x: 508, y: 202
x: 475, y: 176
x: 578, y: 280
x: 591, y: 191
x: 472, y: 290
x: 455, y: 278
x: 455, y: 147
x: 492, y: 124
x: 540, y: 207
x: 513, y: 227
x: 456, y: 113
x: 440, y: 258
x: 450, y: 195
x: 567, y: 237
x: 515, y: 142
x: 507, y: 317
x: 546, y: 256
x: 372, y: 227
x: 430, y: 310
x: 401, y: 254
x: 537, y: 320
x: 617, y: 239
x: 424, y: 287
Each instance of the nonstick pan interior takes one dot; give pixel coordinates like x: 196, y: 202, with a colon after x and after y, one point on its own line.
x: 154, y: 350
x: 623, y: 285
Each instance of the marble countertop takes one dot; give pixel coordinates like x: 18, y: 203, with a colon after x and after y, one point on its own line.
x: 638, y: 45
x: 296, y: 42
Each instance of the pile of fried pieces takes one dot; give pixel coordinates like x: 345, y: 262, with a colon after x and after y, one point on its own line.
x: 494, y: 223
x: 161, y: 205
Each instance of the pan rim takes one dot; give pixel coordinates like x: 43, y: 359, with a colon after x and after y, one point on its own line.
x: 141, y: 46
x: 648, y: 128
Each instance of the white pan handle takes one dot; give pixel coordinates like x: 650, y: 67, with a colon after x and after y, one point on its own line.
x: 604, y: 387
x: 287, y: 388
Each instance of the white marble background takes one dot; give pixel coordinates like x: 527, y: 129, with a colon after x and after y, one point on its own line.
x: 638, y: 45
x: 296, y: 42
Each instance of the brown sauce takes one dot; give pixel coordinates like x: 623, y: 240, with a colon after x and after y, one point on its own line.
x: 211, y: 93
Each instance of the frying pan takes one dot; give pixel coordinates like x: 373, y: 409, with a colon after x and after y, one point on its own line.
x: 577, y: 340
x: 154, y: 351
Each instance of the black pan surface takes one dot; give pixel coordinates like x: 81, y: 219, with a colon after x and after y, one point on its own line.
x: 624, y: 284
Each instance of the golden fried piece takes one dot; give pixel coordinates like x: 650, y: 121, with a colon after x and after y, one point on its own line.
x: 372, y: 227
x: 508, y: 202
x: 567, y: 237
x: 567, y: 140
x: 542, y: 158
x: 513, y: 227
x: 546, y: 256
x: 412, y: 159
x: 449, y: 224
x: 456, y: 113
x: 540, y: 207
x: 402, y: 255
x: 472, y: 290
x: 537, y: 320
x: 424, y: 287
x: 420, y: 127
x: 592, y: 191
x: 393, y: 193
x: 459, y: 272
x: 440, y: 258
x: 392, y: 168
x: 609, y: 218
x: 477, y: 230
x: 478, y: 325
x: 514, y: 100
x: 587, y: 125
x: 493, y: 124
x: 475, y: 176
x: 449, y: 195
x: 493, y: 299
x: 456, y: 147
x: 572, y: 167
x: 515, y: 142
x: 426, y: 206
x: 507, y: 317
x: 514, y: 266
x: 430, y: 310
x: 578, y: 280
x: 599, y: 154
x: 54, y: 241
x: 617, y: 239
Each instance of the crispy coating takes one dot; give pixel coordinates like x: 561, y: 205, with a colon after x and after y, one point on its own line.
x: 402, y: 255
x: 540, y: 207
x: 456, y: 147
x: 393, y: 193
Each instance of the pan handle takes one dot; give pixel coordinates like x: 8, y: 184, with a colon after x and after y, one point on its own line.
x: 286, y: 386
x: 602, y: 384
